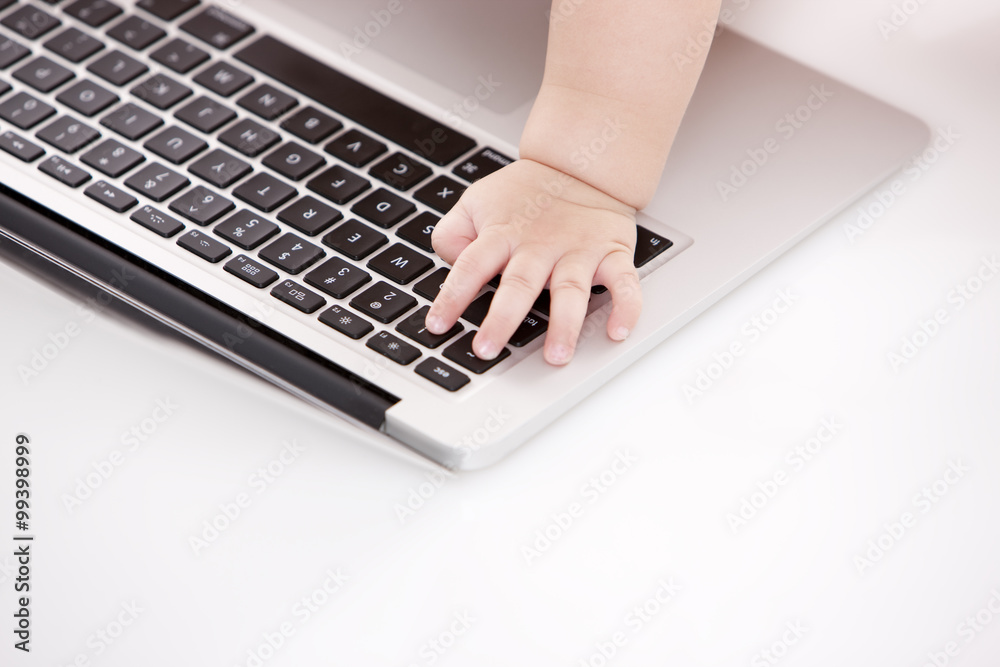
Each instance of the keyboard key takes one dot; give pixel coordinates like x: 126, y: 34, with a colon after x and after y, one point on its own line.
x: 220, y: 168
x: 223, y: 79
x: 337, y: 278
x: 265, y: 192
x: 87, y: 97
x: 383, y: 302
x: 311, y: 125
x: 43, y: 74
x: 137, y: 33
x: 418, y: 231
x: 30, y: 23
x: 179, y: 55
x: 355, y: 239
x: 338, y: 185
x: 161, y: 91
x: 176, y: 145
x: 393, y: 347
x: 440, y: 194
x: 117, y: 68
x: 25, y: 111
x: 400, y: 263
x: 441, y: 374
x: 267, y: 102
x: 204, y: 246
x: 412, y: 326
x: 531, y: 327
x: 480, y: 165
x: 249, y: 137
x: 63, y: 171
x: 93, y: 12
x: 251, y: 271
x: 112, y: 158
x: 648, y: 245
x: 355, y: 148
x: 476, y: 311
x: 431, y: 285
x: 309, y: 215
x: 157, y: 222
x: 73, y: 45
x: 67, y: 134
x: 11, y: 52
x: 298, y: 296
x: 205, y: 114
x: 384, y: 208
x: 293, y: 161
x: 167, y: 10
x: 461, y: 353
x: 292, y: 253
x: 131, y: 121
x: 20, y: 147
x: 202, y: 206
x: 217, y: 28
x: 117, y: 200
x: 400, y: 171
x: 246, y: 229
x: 157, y: 182
x: 350, y: 324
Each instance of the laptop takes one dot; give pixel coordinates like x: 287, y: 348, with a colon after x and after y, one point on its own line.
x: 264, y: 176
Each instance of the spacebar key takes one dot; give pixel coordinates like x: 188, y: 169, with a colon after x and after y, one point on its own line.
x: 424, y: 136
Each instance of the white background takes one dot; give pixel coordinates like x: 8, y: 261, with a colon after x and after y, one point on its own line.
x: 459, y: 562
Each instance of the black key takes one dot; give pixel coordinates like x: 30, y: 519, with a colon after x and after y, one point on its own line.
x: 531, y: 327
x: 418, y: 231
x: 87, y: 97
x: 251, y: 271
x: 293, y: 161
x: 112, y: 158
x: 309, y: 215
x: 543, y: 302
x: 398, y: 123
x: 19, y: 147
x: 137, y: 33
x: 292, y: 253
x: 131, y: 121
x: 461, y: 353
x: 117, y: 68
x: 179, y: 55
x: 412, y: 326
x: 64, y: 172
x: 298, y: 296
x: 440, y: 194
x: 337, y: 278
x: 265, y: 192
x: 201, y: 205
x: 441, y: 374
x: 73, y: 45
x: 25, y: 111
x: 29, y: 22
x: 176, y: 145
x: 43, y: 75
x: 157, y: 222
x: 393, y: 347
x: 11, y: 52
x: 431, y: 285
x: 223, y: 79
x: 384, y: 208
x: 311, y: 125
x: 338, y: 185
x: 476, y: 312
x: 383, y: 302
x: 204, y: 246
x: 93, y: 12
x: 117, y: 200
x: 355, y: 148
x: 67, y: 134
x: 167, y: 10
x: 4, y: 4
x: 246, y: 229
x: 355, y: 239
x: 400, y: 263
x: 267, y: 101
x: 220, y: 168
x: 350, y: 324
x: 157, y: 182
x: 217, y: 28
x: 400, y: 171
x: 4, y: 87
x: 648, y: 245
x: 482, y: 164
x: 161, y: 91
x: 205, y: 114
x: 249, y: 137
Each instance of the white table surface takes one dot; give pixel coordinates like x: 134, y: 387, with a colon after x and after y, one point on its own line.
x: 467, y: 578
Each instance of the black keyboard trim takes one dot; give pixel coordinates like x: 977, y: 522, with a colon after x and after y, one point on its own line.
x: 187, y: 308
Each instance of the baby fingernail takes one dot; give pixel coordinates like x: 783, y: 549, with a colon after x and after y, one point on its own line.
x: 559, y: 355
x: 487, y: 350
x: 621, y: 333
x: 434, y: 324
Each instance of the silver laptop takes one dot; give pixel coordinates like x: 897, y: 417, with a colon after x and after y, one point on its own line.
x: 263, y: 177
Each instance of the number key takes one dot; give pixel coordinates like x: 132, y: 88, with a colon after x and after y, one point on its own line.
x: 383, y: 302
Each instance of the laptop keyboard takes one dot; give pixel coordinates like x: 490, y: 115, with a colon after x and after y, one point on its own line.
x: 257, y: 161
